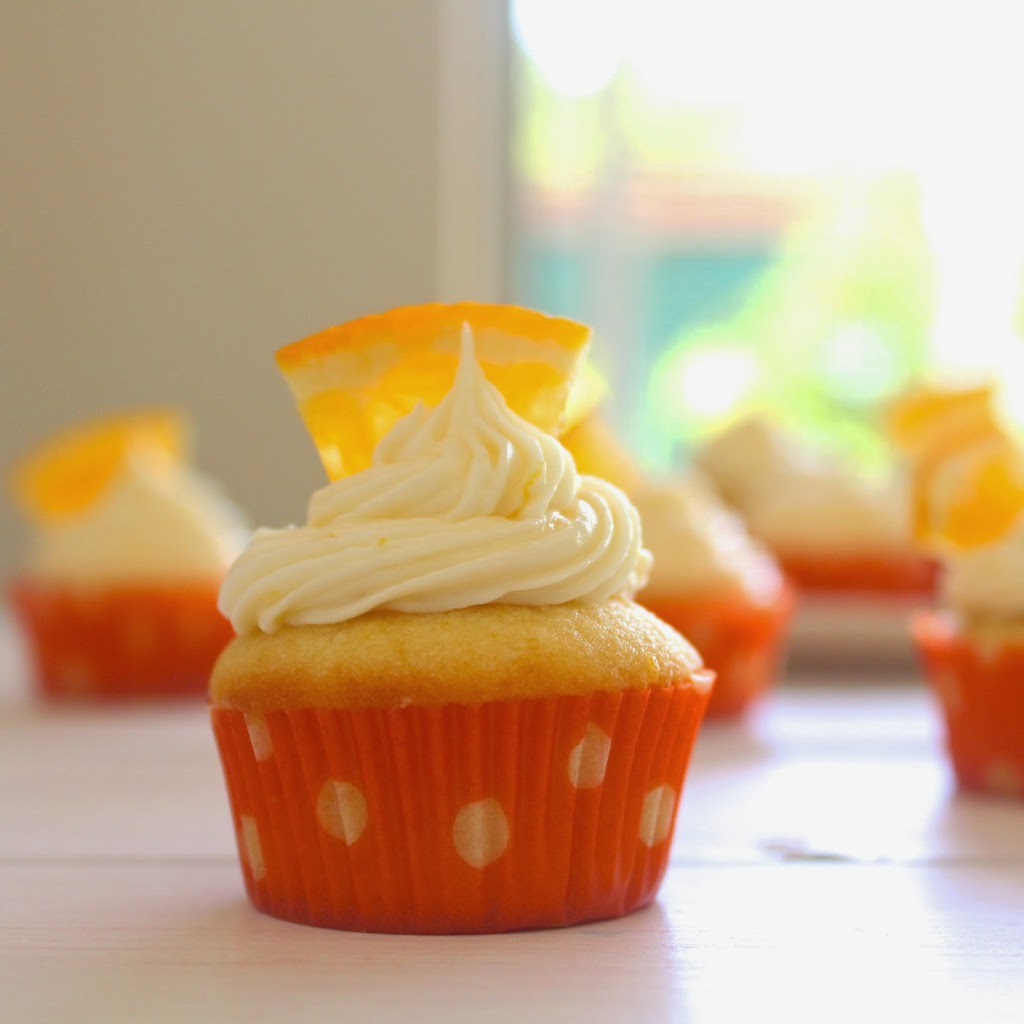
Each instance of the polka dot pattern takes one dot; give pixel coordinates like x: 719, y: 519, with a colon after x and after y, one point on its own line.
x: 656, y: 815
x: 341, y: 811
x: 481, y: 832
x: 259, y: 737
x: 459, y: 818
x: 1003, y: 776
x: 588, y: 761
x: 122, y: 641
x: 75, y: 676
x: 252, y: 847
x: 946, y: 683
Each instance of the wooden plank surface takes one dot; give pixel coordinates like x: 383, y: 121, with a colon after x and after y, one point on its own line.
x: 824, y: 869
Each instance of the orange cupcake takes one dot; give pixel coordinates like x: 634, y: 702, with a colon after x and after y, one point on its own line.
x: 833, y: 533
x: 968, y: 503
x: 118, y: 597
x: 718, y: 587
x: 443, y: 713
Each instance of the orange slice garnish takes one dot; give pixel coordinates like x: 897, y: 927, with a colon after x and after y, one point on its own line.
x: 67, y: 473
x: 353, y: 382
x: 973, y: 498
x: 934, y: 418
x: 967, y: 475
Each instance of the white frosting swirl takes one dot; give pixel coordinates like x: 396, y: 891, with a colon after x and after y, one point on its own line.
x: 463, y: 505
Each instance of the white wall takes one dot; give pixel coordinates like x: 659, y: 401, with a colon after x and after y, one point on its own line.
x: 186, y: 186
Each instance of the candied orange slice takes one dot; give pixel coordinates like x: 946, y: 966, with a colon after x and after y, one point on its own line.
x: 67, y: 473
x: 933, y: 418
x: 353, y: 382
x: 971, y: 498
x: 597, y: 451
x: 967, y: 475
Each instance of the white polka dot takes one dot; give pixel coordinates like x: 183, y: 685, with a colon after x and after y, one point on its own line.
x: 588, y: 760
x: 481, y: 832
x: 341, y: 811
x: 252, y: 847
x: 194, y: 631
x: 1003, y: 776
x: 700, y: 635
x: 259, y: 737
x: 748, y: 671
x: 656, y: 816
x: 140, y: 636
x: 946, y: 683
x: 75, y: 675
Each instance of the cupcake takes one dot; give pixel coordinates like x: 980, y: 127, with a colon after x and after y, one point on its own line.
x: 969, y: 507
x: 832, y: 532
x: 118, y: 593
x: 443, y: 712
x: 709, y: 579
x: 718, y: 586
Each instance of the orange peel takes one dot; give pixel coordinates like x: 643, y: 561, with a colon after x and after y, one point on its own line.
x: 353, y: 382
x: 65, y: 474
x: 967, y: 474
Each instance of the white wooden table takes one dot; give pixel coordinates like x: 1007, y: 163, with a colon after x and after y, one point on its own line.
x: 823, y: 870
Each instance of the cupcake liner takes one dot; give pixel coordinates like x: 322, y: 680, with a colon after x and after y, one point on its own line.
x: 120, y: 642
x: 461, y: 818
x: 740, y: 640
x: 979, y: 691
x: 895, y: 574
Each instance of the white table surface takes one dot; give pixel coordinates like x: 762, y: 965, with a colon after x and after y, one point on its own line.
x: 823, y: 870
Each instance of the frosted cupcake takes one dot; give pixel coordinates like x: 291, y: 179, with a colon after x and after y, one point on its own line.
x: 832, y: 532
x: 443, y: 711
x: 969, y: 507
x: 716, y: 585
x: 118, y: 593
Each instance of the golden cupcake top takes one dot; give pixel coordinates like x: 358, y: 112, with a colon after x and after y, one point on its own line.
x: 463, y: 501
x: 488, y: 652
x: 114, y: 500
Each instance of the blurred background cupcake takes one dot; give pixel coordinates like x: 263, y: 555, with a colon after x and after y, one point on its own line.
x: 116, y: 594
x: 844, y: 541
x: 968, y: 477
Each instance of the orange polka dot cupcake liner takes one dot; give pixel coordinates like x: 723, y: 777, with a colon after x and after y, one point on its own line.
x: 741, y: 641
x: 979, y: 691
x: 493, y: 817
x: 909, y: 575
x: 121, y: 642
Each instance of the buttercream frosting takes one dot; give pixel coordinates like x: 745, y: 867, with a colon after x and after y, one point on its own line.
x: 464, y: 504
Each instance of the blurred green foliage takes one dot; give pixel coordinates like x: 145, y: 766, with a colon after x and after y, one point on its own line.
x: 834, y: 327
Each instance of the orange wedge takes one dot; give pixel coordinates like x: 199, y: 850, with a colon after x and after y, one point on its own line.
x: 66, y: 474
x: 967, y: 475
x: 971, y: 498
x: 353, y: 382
x: 933, y: 417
